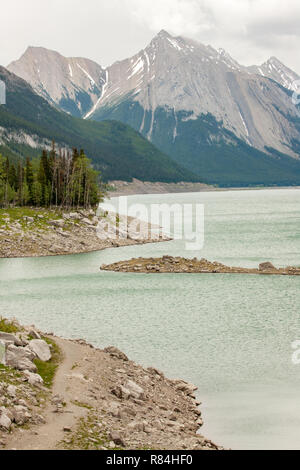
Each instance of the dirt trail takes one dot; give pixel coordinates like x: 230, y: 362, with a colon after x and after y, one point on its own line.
x: 47, y: 436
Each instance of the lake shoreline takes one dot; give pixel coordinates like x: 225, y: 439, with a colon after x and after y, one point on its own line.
x: 63, y: 236
x: 169, y: 318
x: 57, y: 233
x: 136, y: 187
x: 98, y: 399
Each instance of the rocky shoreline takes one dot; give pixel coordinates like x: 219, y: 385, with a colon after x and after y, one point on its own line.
x: 98, y: 399
x: 54, y: 232
x: 134, y: 187
x: 124, y: 188
x: 170, y: 264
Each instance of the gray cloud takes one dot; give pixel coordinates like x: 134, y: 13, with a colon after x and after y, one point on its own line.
x: 251, y: 30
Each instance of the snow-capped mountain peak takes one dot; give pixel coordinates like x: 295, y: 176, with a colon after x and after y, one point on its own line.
x: 276, y: 70
x: 72, y: 83
x: 179, y: 76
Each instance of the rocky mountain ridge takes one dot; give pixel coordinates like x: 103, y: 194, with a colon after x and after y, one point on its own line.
x: 229, y: 124
x: 178, y: 74
x: 72, y: 84
x: 29, y: 124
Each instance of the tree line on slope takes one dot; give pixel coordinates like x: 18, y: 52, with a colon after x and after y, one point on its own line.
x: 54, y: 179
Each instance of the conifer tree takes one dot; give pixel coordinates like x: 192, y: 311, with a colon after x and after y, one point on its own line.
x: 12, y: 177
x: 29, y: 178
x: 55, y: 179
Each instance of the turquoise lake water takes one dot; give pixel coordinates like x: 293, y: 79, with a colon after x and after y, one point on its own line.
x: 229, y: 334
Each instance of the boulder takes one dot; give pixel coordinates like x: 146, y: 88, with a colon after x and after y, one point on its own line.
x: 20, y: 358
x: 266, y: 266
x: 115, y: 352
x: 10, y: 338
x: 121, y: 392
x: 136, y: 426
x: 185, y: 387
x: 130, y: 390
x: 12, y: 391
x: 41, y: 349
x: 154, y: 371
x: 113, y: 409
x: 57, y: 223
x: 34, y: 334
x: 7, y: 412
x: 23, y: 338
x: 117, y: 439
x: 5, y: 421
x: 20, y: 414
x: 38, y: 419
x: 28, y: 219
x: 87, y: 221
x: 57, y: 400
x: 56, y: 249
x: 33, y: 379
x: 74, y: 215
x: 135, y: 390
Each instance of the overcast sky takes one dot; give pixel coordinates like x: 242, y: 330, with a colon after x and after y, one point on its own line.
x: 109, y: 30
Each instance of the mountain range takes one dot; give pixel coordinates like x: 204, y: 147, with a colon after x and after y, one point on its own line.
x: 225, y: 123
x: 28, y: 123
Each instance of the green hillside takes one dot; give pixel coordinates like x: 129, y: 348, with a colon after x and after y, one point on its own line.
x: 205, y: 147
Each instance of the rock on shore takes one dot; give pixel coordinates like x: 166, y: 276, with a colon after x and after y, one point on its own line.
x: 22, y: 389
x: 170, y: 264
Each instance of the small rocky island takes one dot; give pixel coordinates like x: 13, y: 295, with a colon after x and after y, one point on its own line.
x: 170, y: 264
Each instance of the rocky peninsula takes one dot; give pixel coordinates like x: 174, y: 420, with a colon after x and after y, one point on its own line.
x: 170, y: 264
x: 66, y: 394
x: 31, y: 232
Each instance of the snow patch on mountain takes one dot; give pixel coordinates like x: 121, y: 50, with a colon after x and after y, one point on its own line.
x: 87, y: 74
x: 104, y: 88
x: 175, y: 44
x: 138, y: 67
